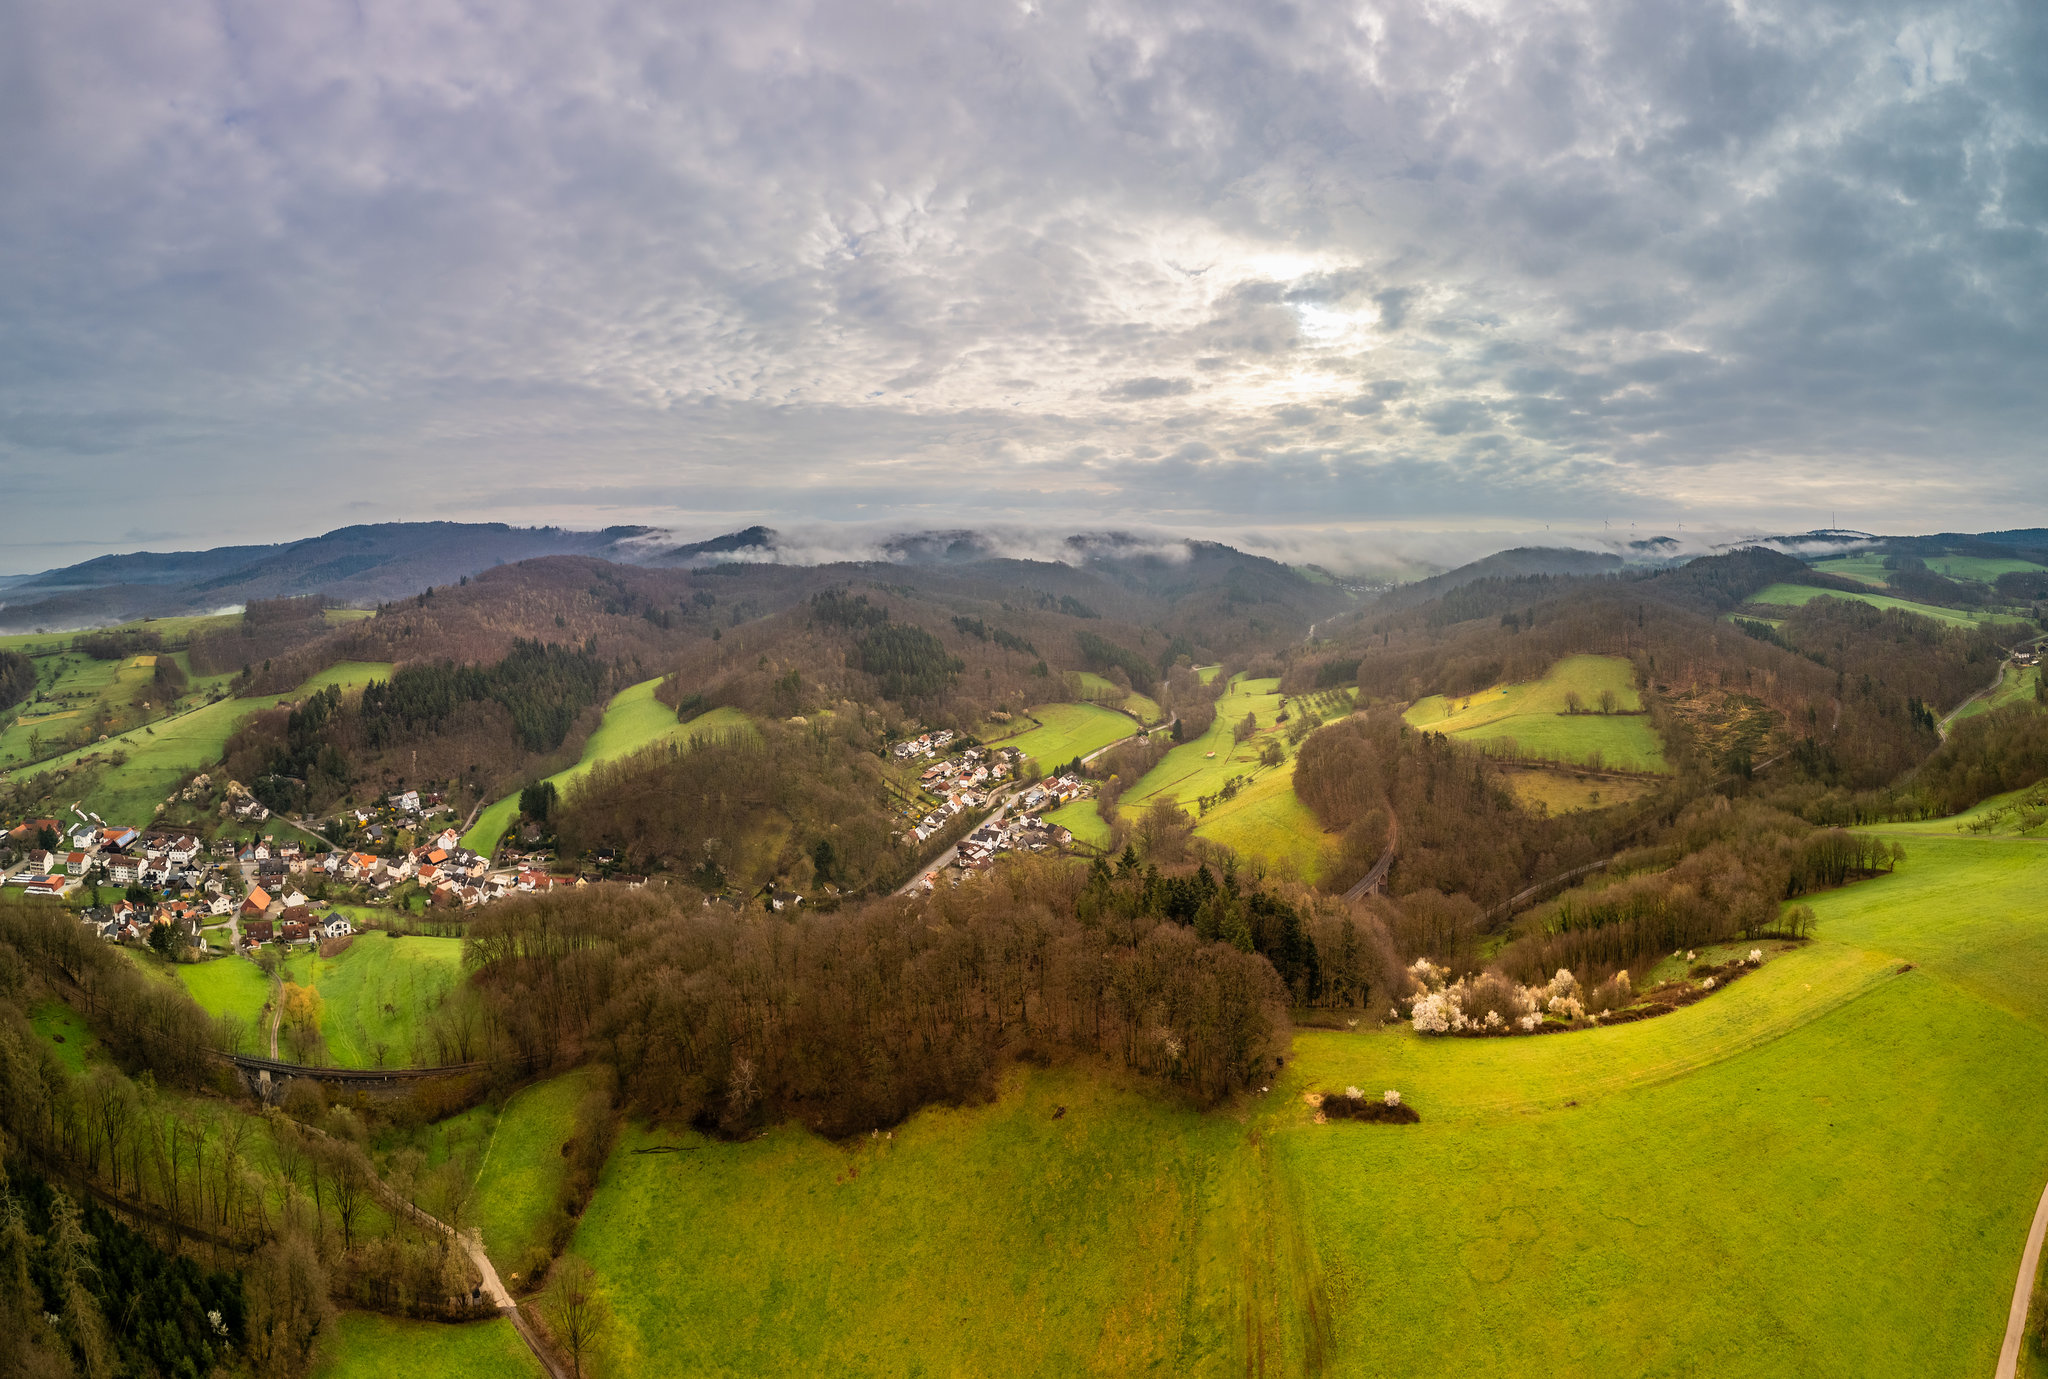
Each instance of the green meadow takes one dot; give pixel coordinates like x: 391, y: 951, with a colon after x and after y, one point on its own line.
x: 1533, y: 715
x: 170, y: 629
x: 363, y: 1345
x: 377, y: 995
x: 1828, y: 1169
x: 1079, y: 817
x: 161, y: 754
x: 1066, y: 731
x: 634, y: 719
x: 1799, y: 595
x: 65, y: 1031
x: 231, y: 986
x: 2016, y: 684
x: 516, y: 1201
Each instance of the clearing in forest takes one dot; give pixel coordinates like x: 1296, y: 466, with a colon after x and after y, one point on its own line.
x: 1628, y: 1200
x: 234, y: 987
x: 1554, y: 791
x: 633, y: 720
x: 1537, y: 717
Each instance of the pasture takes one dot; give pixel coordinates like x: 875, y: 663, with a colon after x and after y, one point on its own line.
x: 364, y: 1345
x: 1079, y: 817
x: 517, y: 1199
x: 1827, y: 1169
x: 1799, y: 595
x: 2016, y: 684
x: 231, y: 986
x: 1264, y: 819
x: 159, y: 755
x: 377, y: 995
x: 1066, y: 731
x: 633, y: 720
x: 1566, y: 792
x: 1533, y: 716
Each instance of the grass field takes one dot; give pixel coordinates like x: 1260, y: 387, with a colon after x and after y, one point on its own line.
x: 1868, y: 568
x: 171, y: 629
x: 1532, y: 715
x: 1565, y: 792
x: 363, y: 1345
x: 1265, y: 820
x: 161, y: 754
x: 231, y: 986
x: 1067, y: 731
x: 634, y: 719
x: 377, y: 995
x: 1799, y: 595
x: 73, y: 688
x: 65, y: 1030
x: 519, y: 1184
x: 1079, y: 818
x: 1826, y: 1170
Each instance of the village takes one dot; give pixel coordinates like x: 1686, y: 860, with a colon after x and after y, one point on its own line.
x: 976, y: 779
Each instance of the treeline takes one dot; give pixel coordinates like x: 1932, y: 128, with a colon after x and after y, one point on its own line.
x: 118, y: 645
x: 908, y: 663
x: 1724, y: 872
x: 1101, y: 655
x: 269, y: 629
x: 852, y: 1020
x: 710, y: 807
x: 543, y: 686
x: 2004, y: 749
x: 17, y: 678
x: 1462, y: 832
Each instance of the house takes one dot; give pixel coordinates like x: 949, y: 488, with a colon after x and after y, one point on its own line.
x: 42, y: 862
x: 258, y: 902
x: 408, y: 802
x: 75, y: 863
x: 292, y: 932
x: 44, y: 884
x: 294, y: 898
x: 124, y: 871
x: 258, y: 930
x: 336, y: 925
x: 118, y: 838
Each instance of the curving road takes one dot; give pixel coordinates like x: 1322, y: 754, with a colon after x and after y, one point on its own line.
x: 2023, y: 1293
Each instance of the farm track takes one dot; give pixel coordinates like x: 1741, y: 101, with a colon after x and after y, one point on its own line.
x: 2023, y: 1293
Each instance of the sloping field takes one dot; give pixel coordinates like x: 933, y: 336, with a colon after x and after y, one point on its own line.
x: 377, y: 995
x: 1566, y: 792
x: 1826, y: 1170
x: 159, y: 755
x: 65, y: 1031
x: 1533, y: 716
x: 1080, y: 818
x: 516, y: 1201
x: 1265, y: 819
x: 633, y: 720
x: 1799, y: 595
x: 1067, y: 731
x: 363, y: 1345
x: 230, y: 986
x: 2016, y: 684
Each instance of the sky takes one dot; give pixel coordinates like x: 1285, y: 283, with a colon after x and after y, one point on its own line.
x: 270, y: 269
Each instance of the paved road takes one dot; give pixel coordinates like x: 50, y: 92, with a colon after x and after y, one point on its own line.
x: 945, y: 859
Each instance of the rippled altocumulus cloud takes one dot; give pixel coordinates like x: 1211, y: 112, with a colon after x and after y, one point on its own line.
x: 266, y: 269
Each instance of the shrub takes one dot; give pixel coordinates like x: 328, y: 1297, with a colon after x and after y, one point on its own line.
x: 1349, y: 1105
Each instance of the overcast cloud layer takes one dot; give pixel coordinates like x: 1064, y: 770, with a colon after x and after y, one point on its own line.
x: 268, y: 269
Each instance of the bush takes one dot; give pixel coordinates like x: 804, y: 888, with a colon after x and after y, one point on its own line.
x: 1349, y: 1105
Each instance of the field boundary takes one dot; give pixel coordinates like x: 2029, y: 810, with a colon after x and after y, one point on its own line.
x: 2023, y: 1292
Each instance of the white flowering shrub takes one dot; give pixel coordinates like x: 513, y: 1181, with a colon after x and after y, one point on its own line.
x: 1353, y: 1093
x: 1391, y: 1097
x: 1433, y: 1014
x: 1530, y: 1021
x: 1756, y: 957
x: 1708, y: 984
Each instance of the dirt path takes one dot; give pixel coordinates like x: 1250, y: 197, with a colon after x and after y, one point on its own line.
x: 472, y: 1244
x: 276, y: 1011
x: 2022, y: 1293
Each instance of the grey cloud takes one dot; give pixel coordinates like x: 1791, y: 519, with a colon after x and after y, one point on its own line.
x: 1643, y: 254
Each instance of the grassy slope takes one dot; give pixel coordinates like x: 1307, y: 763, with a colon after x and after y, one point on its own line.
x: 1079, y: 818
x: 161, y: 754
x: 172, y: 629
x: 1826, y: 1170
x: 519, y: 1183
x: 380, y: 990
x: 1533, y: 715
x: 1067, y: 731
x: 1799, y: 595
x: 363, y: 1345
x: 985, y: 1241
x: 65, y: 1031
x: 634, y: 719
x: 229, y: 986
x: 1266, y: 820
x: 1561, y: 792
x: 2015, y: 684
